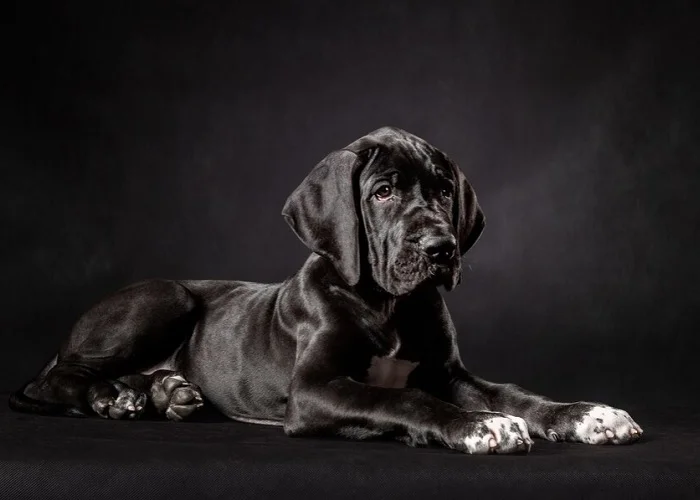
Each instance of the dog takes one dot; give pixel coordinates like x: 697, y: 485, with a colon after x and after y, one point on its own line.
x: 357, y: 344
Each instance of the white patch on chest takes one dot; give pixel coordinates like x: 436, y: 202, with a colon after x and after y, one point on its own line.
x: 389, y: 372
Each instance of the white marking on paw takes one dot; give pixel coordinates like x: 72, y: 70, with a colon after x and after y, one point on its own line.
x: 602, y: 424
x: 479, y: 444
x: 501, y: 436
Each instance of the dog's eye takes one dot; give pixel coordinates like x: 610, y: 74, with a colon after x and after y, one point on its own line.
x: 446, y: 192
x: 383, y: 193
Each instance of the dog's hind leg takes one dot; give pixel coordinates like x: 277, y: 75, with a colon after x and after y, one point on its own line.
x: 75, y: 390
x: 126, y: 333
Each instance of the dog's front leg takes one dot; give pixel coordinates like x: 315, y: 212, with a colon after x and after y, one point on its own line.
x: 443, y: 374
x: 345, y: 407
x: 586, y: 422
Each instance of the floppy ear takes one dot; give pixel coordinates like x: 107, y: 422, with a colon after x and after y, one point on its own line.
x: 468, y: 217
x: 322, y: 213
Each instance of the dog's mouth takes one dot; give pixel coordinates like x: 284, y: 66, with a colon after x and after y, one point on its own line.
x: 443, y: 274
x: 440, y: 272
x: 415, y: 271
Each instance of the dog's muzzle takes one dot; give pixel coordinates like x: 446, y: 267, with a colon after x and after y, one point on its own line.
x: 440, y: 250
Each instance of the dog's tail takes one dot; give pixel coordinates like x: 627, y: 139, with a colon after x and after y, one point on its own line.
x: 19, y: 401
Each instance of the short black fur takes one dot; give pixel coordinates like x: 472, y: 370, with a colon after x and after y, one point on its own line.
x: 388, y: 218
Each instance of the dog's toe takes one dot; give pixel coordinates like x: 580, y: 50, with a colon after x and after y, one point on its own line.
x: 183, y: 402
x: 128, y: 403
x: 593, y: 423
x: 177, y: 398
x: 497, y: 433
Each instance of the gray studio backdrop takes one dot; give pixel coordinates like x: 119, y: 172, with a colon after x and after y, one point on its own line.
x: 161, y: 140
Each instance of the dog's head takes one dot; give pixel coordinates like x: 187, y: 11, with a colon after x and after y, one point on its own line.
x: 390, y: 205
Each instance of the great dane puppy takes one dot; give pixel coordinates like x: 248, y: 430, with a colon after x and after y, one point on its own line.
x: 358, y: 343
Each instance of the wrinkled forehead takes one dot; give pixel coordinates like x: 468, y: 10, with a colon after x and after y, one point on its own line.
x: 411, y: 157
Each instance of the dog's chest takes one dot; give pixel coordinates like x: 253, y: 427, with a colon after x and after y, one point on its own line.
x: 388, y: 371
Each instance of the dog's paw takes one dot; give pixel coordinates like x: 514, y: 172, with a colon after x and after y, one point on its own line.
x: 127, y: 404
x: 592, y: 423
x: 491, y: 432
x: 176, y: 397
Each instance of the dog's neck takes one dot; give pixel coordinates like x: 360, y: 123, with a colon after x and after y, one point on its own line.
x: 376, y: 297
x: 382, y: 301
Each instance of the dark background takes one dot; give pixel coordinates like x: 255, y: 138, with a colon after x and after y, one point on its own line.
x: 161, y: 139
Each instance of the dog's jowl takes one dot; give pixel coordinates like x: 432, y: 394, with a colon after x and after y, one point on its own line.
x: 358, y: 343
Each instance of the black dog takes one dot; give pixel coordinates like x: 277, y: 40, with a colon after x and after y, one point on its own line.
x: 358, y: 343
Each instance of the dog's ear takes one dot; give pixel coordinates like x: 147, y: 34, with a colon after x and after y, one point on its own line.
x: 322, y: 213
x: 468, y: 216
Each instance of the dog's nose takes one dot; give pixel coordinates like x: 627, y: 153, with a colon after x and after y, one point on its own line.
x: 440, y: 249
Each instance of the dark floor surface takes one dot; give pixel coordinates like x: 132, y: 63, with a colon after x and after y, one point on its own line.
x: 60, y: 457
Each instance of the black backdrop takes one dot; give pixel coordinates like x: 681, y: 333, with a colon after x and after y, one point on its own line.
x: 161, y: 139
